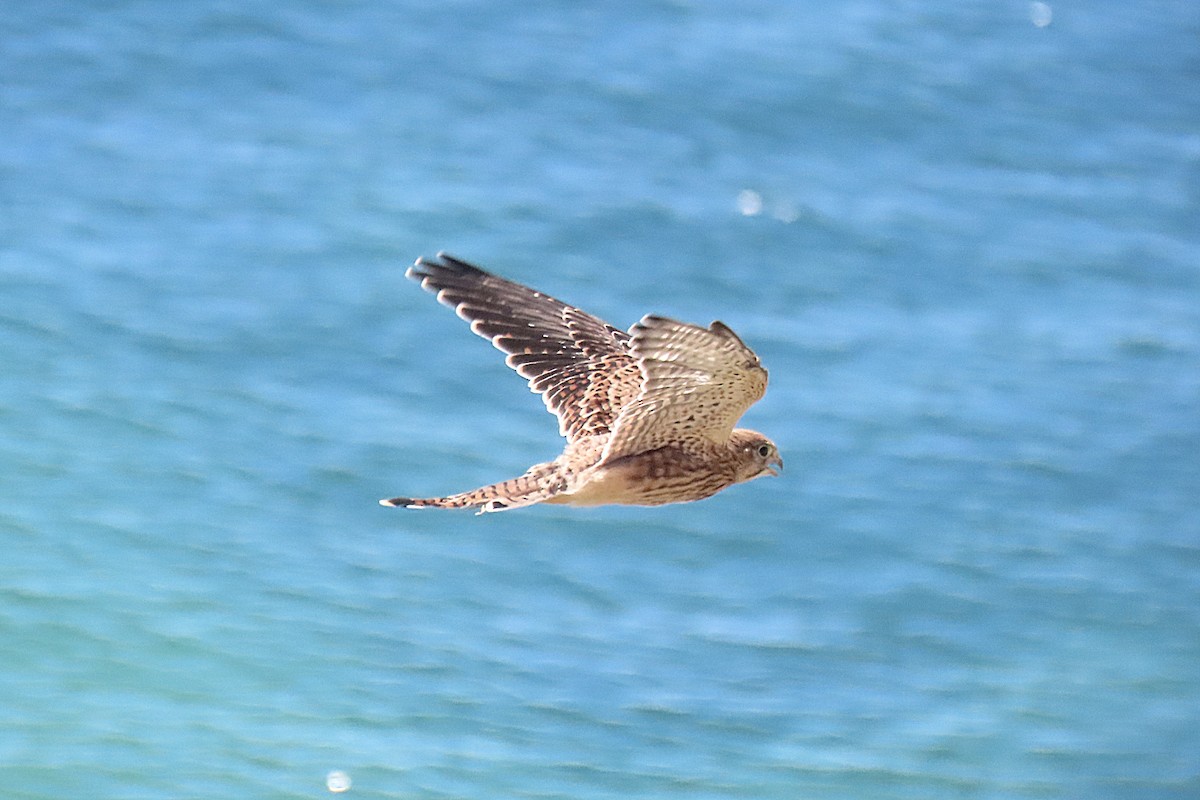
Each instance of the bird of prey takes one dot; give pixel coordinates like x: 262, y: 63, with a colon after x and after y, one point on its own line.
x: 648, y: 415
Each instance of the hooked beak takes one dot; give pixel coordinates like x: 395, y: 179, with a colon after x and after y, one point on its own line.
x: 775, y: 465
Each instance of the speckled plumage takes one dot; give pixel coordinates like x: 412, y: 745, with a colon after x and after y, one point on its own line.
x: 648, y: 415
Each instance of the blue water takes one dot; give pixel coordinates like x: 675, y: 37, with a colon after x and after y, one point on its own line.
x: 966, y: 246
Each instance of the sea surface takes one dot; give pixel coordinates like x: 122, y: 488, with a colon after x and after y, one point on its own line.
x: 964, y: 237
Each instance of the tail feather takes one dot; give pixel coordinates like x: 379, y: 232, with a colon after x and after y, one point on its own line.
x: 537, y: 485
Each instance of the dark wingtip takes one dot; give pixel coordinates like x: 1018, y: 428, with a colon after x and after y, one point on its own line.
x: 726, y: 331
x: 649, y: 321
x: 417, y: 271
x: 443, y: 263
x: 449, y: 260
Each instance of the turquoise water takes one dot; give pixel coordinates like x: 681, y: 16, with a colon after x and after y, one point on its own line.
x: 965, y: 245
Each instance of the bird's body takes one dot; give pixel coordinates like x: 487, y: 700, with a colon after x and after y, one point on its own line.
x: 648, y: 415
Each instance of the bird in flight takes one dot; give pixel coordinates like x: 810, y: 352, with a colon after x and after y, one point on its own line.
x: 648, y: 415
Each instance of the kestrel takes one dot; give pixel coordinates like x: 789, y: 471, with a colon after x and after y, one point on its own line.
x: 648, y: 415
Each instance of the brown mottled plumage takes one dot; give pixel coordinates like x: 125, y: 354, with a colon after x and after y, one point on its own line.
x: 648, y: 415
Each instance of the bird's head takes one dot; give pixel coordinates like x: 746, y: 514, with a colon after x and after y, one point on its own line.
x: 756, y: 455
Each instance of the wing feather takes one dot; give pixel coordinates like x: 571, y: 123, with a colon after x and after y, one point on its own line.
x: 696, y: 384
x: 582, y: 366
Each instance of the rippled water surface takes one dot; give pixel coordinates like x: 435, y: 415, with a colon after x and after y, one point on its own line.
x: 962, y: 237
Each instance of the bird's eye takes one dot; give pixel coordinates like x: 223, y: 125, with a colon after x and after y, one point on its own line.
x: 764, y: 450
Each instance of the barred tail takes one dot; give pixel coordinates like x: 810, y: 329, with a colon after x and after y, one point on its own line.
x: 539, y: 484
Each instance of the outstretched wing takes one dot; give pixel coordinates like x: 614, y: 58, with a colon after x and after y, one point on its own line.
x: 697, y: 383
x: 581, y: 365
